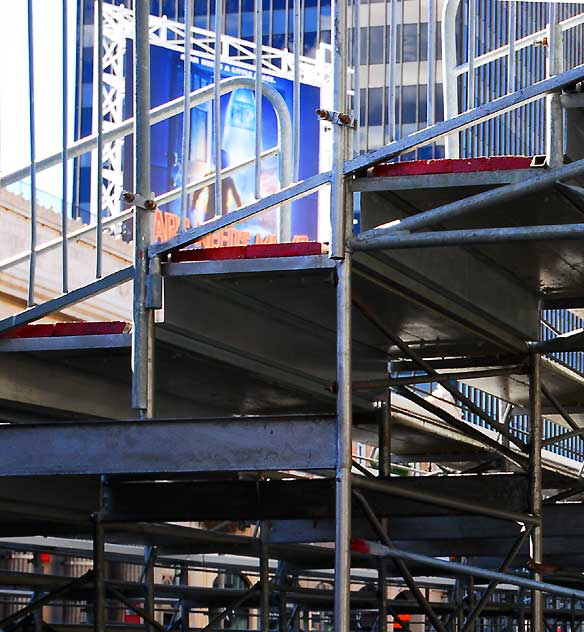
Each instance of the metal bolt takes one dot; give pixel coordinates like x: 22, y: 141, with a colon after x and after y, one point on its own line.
x: 325, y: 115
x: 344, y: 118
x: 128, y: 197
x: 150, y: 205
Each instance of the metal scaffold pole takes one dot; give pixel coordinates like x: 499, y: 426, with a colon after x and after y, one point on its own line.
x: 344, y: 461
x: 264, y: 577
x: 99, y: 609
x: 143, y: 318
x: 341, y: 223
x: 535, y: 484
x: 384, y: 430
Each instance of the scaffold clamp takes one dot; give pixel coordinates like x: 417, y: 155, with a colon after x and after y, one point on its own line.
x: 138, y: 200
x: 339, y: 118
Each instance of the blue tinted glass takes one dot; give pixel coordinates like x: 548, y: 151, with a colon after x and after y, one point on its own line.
x: 310, y: 43
x: 279, y: 21
x: 278, y: 41
x: 247, y: 20
x: 310, y: 19
x: 422, y: 103
x: 409, y: 42
x: 409, y: 106
x: 376, y: 44
x: 375, y: 106
x: 232, y: 24
x: 439, y: 103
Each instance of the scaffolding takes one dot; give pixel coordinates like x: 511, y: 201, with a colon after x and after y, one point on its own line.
x: 291, y: 356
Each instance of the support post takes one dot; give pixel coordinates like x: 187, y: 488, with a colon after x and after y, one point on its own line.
x: 344, y: 443
x: 282, y: 579
x: 264, y: 577
x: 554, y: 110
x: 185, y: 611
x: 99, y: 609
x: 384, y: 443
x: 535, y: 480
x: 143, y: 318
x: 149, y: 563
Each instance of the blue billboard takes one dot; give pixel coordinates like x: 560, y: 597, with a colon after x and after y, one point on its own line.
x: 238, y: 134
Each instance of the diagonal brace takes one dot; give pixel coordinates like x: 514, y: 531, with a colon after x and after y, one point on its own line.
x: 400, y: 565
x: 45, y: 599
x: 490, y: 589
x: 426, y: 366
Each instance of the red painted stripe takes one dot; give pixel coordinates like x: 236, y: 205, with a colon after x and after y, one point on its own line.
x: 298, y: 249
x: 90, y: 329
x: 462, y: 165
x: 209, y: 254
x: 30, y: 331
x: 256, y: 251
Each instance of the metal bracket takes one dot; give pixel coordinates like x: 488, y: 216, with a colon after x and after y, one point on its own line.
x: 139, y: 201
x: 339, y: 118
x: 153, y: 299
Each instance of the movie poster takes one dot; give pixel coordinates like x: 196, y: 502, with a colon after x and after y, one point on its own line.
x: 238, y: 133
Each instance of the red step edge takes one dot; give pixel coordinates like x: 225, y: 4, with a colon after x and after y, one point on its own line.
x: 458, y: 165
x: 67, y: 329
x: 255, y: 251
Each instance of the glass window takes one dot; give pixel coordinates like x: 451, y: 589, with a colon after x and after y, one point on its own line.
x: 362, y: 104
x: 439, y: 103
x: 409, y: 42
x: 409, y: 104
x: 310, y: 43
x: 375, y: 106
x: 363, y: 43
x: 422, y: 103
x: 376, y: 44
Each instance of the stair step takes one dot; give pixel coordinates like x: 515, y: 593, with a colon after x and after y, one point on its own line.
x: 254, y: 251
x: 55, y: 330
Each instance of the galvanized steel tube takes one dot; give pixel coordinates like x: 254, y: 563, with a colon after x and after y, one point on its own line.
x: 535, y: 485
x: 186, y: 135
x: 65, y: 133
x: 31, y: 117
x: 143, y: 319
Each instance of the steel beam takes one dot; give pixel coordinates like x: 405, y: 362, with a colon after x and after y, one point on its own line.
x: 255, y: 443
x: 463, y: 427
x: 513, y: 369
x: 387, y: 239
x: 309, y: 499
x: 572, y: 341
x: 464, y: 506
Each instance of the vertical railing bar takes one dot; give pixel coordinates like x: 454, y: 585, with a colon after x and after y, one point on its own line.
x: 356, y: 75
x: 391, y: 72
x: 259, y: 30
x: 368, y: 66
x: 471, y: 50
x: 65, y: 131
x: 217, y: 106
x: 512, y: 37
x: 31, y: 114
x: 431, y: 85
x: 296, y: 94
x: 186, y: 137
x: 99, y: 166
